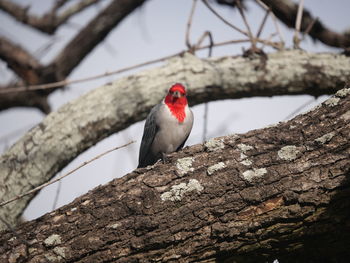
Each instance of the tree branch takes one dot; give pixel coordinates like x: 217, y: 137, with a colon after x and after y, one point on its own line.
x: 286, y: 11
x: 92, y: 34
x: 25, y: 99
x: 278, y: 192
x: 67, y: 60
x: 20, y: 61
x: 28, y: 69
x: 64, y: 134
x: 72, y: 10
x: 47, y: 23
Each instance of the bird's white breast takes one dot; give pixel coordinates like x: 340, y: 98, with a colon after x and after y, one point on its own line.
x: 171, y: 133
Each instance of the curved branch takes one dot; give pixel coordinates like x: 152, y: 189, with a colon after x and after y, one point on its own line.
x: 64, y: 134
x: 75, y: 51
x: 49, y: 22
x: 278, y: 192
x: 92, y: 34
x: 286, y: 11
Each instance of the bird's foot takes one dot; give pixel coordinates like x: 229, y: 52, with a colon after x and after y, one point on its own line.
x: 158, y: 162
x: 164, y: 158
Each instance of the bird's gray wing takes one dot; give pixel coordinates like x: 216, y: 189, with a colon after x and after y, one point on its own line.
x: 145, y: 156
x: 182, y: 144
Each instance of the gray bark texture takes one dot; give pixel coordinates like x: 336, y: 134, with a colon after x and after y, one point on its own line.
x: 78, y: 125
x: 278, y: 192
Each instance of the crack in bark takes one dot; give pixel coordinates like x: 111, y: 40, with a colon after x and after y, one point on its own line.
x: 227, y: 186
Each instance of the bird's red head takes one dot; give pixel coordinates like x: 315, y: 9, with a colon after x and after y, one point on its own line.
x: 176, y: 101
x: 177, y: 87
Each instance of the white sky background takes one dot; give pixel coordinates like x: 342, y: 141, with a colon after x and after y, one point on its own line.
x: 156, y: 29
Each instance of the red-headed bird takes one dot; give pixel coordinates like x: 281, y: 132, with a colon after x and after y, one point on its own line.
x: 167, y: 127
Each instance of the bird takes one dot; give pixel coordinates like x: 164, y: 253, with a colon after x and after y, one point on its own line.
x: 167, y: 127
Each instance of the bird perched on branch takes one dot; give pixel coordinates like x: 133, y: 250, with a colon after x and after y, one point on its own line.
x: 167, y: 127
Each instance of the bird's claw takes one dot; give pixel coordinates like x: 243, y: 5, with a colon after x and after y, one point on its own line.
x: 164, y: 158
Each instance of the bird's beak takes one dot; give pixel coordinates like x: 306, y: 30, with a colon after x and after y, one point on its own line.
x: 177, y: 94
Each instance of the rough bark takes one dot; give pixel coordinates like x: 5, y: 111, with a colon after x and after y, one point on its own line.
x: 64, y: 134
x: 278, y: 192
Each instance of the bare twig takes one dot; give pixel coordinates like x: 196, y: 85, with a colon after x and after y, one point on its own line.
x: 262, y: 23
x: 45, y: 48
x: 274, y: 19
x: 250, y: 34
x: 48, y: 22
x: 276, y: 45
x: 223, y: 19
x: 286, y: 11
x: 65, y: 82
x: 205, y: 122
x: 206, y: 105
x: 211, y: 42
x: 309, y: 27
x: 296, y: 39
x: 69, y: 82
x: 90, y: 35
x: 57, y: 194
x: 189, y: 23
x: 268, y: 40
x: 63, y: 176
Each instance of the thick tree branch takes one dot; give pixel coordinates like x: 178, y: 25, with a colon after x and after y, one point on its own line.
x: 64, y: 134
x: 278, y: 192
x: 25, y: 99
x: 49, y: 22
x: 286, y: 11
x: 92, y: 34
x: 29, y: 70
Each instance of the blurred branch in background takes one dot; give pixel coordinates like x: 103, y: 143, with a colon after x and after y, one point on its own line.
x: 32, y: 72
x: 286, y: 11
x: 50, y: 21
